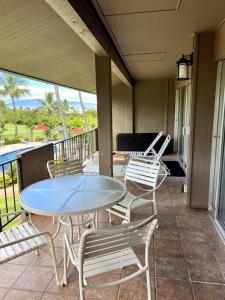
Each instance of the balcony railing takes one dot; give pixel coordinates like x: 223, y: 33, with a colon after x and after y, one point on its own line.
x: 81, y: 146
x: 8, y: 191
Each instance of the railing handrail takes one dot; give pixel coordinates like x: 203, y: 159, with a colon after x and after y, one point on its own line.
x: 76, y: 135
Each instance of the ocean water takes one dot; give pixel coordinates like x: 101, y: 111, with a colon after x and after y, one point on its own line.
x: 36, y: 103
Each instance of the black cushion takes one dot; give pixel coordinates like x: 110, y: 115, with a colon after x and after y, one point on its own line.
x: 140, y: 142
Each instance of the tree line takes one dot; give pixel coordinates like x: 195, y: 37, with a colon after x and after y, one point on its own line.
x: 52, y: 111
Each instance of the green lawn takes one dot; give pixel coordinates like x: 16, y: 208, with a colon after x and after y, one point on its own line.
x: 10, y: 209
x: 22, y: 130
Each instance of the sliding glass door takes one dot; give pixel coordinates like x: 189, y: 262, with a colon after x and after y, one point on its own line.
x: 183, y: 98
x: 217, y: 176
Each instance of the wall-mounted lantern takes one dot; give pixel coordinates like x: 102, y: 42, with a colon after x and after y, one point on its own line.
x: 183, y: 66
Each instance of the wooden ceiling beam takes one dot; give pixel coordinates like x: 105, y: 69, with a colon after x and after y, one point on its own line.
x: 89, y: 15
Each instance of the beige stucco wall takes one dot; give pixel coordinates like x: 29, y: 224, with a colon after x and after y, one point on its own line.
x: 204, y: 84
x: 154, y: 106
x: 122, y: 110
x: 219, y: 50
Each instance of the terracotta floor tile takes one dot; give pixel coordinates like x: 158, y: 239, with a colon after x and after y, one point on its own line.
x: 24, y: 259
x: 207, y: 291
x: 9, y: 273
x: 3, y: 292
x: 22, y: 295
x: 72, y: 288
x: 102, y: 294
x: 134, y: 289
x: 171, y: 267
x: 186, y: 240
x: 168, y: 289
x: 48, y: 296
x: 171, y: 248
x: 204, y: 270
x: 35, y: 278
x: 45, y: 257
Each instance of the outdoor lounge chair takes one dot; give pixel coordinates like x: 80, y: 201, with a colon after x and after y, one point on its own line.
x: 22, y: 239
x: 150, y: 150
x: 143, y: 173
x: 107, y: 249
x: 69, y: 166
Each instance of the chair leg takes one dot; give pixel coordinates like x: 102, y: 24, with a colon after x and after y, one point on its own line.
x: 78, y: 227
x: 54, y: 261
x: 148, y: 283
x: 110, y: 218
x: 95, y: 217
x: 154, y: 207
x: 64, y: 264
x: 81, y: 292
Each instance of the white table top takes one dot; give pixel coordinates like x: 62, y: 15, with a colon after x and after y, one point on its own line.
x: 72, y: 195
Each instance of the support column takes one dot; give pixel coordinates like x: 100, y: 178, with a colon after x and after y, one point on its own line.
x: 104, y: 106
x: 203, y: 99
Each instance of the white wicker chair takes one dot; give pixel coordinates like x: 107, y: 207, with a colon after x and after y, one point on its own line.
x: 140, y: 171
x: 150, y: 150
x: 107, y: 249
x: 69, y: 166
x: 24, y: 238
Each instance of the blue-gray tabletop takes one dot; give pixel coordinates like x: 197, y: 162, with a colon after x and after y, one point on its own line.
x: 72, y: 195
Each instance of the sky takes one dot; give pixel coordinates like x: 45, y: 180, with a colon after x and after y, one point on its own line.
x: 38, y: 90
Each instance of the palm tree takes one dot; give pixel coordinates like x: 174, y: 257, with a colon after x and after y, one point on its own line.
x: 83, y: 111
x: 11, y: 86
x: 65, y: 106
x: 60, y: 109
x: 48, y: 103
x: 2, y: 108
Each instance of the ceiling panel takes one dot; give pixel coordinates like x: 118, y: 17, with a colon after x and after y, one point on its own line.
x: 115, y: 7
x: 168, y: 31
x: 145, y: 57
x: 36, y: 42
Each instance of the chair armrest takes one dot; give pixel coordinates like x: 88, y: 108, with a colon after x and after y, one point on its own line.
x: 26, y: 239
x: 118, y: 229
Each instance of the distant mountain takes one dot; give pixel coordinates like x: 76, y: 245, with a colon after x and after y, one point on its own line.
x: 36, y: 103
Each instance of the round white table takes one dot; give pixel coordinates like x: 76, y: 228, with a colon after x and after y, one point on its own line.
x: 72, y: 195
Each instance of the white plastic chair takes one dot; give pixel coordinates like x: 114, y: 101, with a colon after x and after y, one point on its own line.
x: 64, y: 166
x: 158, y: 156
x: 142, y: 172
x: 103, y: 250
x: 150, y: 150
x: 24, y: 238
x: 69, y: 166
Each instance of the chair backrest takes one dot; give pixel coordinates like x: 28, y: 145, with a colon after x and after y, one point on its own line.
x: 163, y: 148
x: 103, y: 241
x: 64, y: 166
x: 144, y: 171
x: 151, y: 146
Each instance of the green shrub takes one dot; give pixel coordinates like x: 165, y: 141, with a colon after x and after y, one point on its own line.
x: 55, y: 136
x: 12, y: 173
x: 9, y: 140
x: 39, y: 138
x: 8, y: 181
x: 24, y: 137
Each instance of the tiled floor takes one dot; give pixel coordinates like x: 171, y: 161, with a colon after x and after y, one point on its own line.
x: 188, y: 260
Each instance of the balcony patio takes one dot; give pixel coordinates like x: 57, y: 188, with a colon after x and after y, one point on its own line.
x: 127, y: 56
x: 188, y: 259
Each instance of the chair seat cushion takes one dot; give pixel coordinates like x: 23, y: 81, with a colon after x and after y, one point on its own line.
x: 16, y: 233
